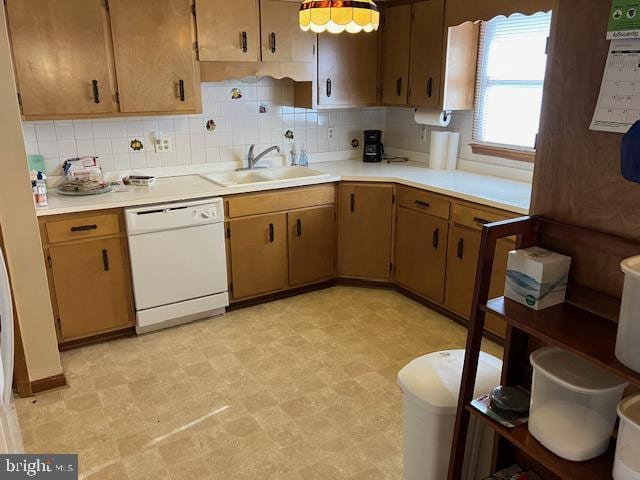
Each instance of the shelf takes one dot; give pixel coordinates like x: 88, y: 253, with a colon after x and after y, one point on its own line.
x: 570, y: 327
x: 599, y: 468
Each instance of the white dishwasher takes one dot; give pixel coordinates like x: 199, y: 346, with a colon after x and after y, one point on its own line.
x: 178, y: 262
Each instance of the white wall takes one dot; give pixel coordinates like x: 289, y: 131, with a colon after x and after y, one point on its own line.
x: 21, y: 234
x: 238, y: 125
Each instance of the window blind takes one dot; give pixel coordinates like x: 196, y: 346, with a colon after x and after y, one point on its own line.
x: 511, y: 67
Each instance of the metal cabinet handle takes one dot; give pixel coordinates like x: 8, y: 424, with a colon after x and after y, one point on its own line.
x: 244, y: 42
x: 272, y: 42
x: 299, y: 227
x: 105, y: 260
x: 460, y: 252
x: 481, y: 221
x: 272, y: 233
x: 353, y: 202
x: 436, y: 238
x: 328, y: 87
x: 430, y: 87
x: 181, y: 89
x: 84, y: 228
x: 399, y: 86
x: 421, y: 204
x: 96, y: 92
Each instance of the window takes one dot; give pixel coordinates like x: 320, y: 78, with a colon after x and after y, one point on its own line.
x: 511, y: 66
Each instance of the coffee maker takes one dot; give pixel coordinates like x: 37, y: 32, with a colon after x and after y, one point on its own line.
x: 373, y: 148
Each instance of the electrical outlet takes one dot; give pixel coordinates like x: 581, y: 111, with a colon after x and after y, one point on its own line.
x: 163, y: 144
x: 331, y: 133
x: 423, y: 133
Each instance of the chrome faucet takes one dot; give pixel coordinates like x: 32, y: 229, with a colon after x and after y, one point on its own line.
x: 252, y: 159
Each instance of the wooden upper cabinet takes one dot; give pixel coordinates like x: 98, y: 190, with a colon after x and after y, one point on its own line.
x: 348, y: 68
x: 427, y: 32
x: 62, y: 56
x: 365, y: 226
x: 282, y: 38
x: 154, y: 54
x: 312, y: 244
x: 228, y: 32
x: 396, y: 37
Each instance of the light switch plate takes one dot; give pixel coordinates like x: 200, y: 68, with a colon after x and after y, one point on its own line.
x: 331, y: 133
x: 163, y: 144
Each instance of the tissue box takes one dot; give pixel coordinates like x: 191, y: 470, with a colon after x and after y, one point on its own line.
x: 537, y: 277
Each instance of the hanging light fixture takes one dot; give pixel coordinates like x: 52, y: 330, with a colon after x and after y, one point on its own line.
x: 336, y: 16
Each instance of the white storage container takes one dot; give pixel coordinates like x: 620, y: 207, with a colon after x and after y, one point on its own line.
x: 627, y: 462
x: 628, y: 342
x: 573, y: 404
x: 431, y: 385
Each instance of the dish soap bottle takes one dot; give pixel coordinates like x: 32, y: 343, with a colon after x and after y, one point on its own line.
x: 303, y: 159
x: 40, y: 191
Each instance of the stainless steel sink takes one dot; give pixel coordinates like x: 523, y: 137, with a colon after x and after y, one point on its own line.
x: 270, y: 175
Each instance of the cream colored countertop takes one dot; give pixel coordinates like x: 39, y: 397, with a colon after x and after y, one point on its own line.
x: 510, y: 195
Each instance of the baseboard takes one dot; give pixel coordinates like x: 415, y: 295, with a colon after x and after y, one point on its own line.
x: 124, y: 332
x: 270, y: 297
x: 48, y: 383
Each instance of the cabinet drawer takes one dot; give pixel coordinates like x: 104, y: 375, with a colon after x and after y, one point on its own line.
x: 289, y: 199
x: 423, y: 202
x: 83, y: 227
x: 474, y: 218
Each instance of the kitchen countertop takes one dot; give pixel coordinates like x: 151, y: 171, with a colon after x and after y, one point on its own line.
x: 510, y: 195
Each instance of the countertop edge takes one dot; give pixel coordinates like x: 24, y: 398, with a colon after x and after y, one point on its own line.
x: 225, y: 191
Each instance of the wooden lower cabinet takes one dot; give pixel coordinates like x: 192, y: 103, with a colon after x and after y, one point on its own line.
x: 312, y: 244
x: 92, y: 287
x: 365, y: 230
x: 258, y: 254
x: 421, y: 253
x: 464, y: 248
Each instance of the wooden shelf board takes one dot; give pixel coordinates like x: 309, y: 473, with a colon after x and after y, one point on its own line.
x: 599, y: 468
x: 572, y: 328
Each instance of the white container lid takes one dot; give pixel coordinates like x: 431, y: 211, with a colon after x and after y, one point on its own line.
x: 573, y: 372
x: 433, y: 380
x: 629, y: 410
x: 631, y: 266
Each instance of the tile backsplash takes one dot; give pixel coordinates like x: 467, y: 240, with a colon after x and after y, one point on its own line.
x: 260, y: 112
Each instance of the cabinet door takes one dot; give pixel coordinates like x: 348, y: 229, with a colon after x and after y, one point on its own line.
x: 425, y: 69
x: 347, y: 68
x: 258, y: 254
x: 396, y: 37
x: 364, y: 231
x: 154, y: 53
x: 462, y: 260
x: 282, y: 39
x: 92, y: 287
x: 312, y: 244
x: 421, y: 253
x: 60, y: 49
x: 228, y: 32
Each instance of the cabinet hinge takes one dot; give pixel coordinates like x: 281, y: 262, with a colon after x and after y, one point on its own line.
x: 116, y: 97
x: 106, y: 5
x: 195, y: 47
x: 19, y: 99
x: 393, y: 198
x: 193, y: 9
x: 390, y: 267
x: 49, y: 261
x: 231, y: 287
x: 228, y: 232
x: 59, y: 323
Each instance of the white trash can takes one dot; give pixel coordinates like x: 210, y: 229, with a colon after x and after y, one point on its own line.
x: 431, y: 385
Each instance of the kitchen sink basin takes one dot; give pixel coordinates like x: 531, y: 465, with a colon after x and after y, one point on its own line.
x: 260, y: 176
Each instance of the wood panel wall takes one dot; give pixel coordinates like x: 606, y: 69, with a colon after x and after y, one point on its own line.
x: 577, y: 177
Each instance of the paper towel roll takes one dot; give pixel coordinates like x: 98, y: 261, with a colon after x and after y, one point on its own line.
x: 434, y: 118
x: 453, y: 144
x: 438, y: 150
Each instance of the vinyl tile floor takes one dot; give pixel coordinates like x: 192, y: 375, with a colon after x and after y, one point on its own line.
x: 302, y: 388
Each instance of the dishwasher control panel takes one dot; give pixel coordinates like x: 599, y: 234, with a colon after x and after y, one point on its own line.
x: 174, y: 215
